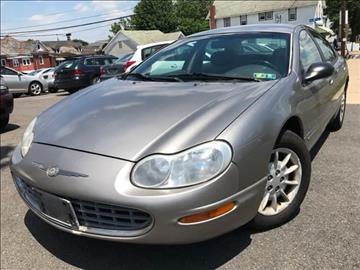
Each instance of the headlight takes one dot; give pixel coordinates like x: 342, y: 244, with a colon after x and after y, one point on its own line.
x: 193, y: 166
x: 27, y: 138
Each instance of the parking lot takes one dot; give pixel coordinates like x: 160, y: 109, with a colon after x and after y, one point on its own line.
x: 324, y: 234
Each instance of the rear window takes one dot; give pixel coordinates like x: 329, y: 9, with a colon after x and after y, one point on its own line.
x: 98, y: 61
x: 124, y: 58
x: 68, y: 64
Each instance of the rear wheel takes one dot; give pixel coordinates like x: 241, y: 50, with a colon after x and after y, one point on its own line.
x: 287, y: 182
x: 53, y: 90
x: 95, y: 80
x: 35, y: 88
x: 71, y: 91
x: 16, y: 95
x: 4, y: 120
x: 337, y: 122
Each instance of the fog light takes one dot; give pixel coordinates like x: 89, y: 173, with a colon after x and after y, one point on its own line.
x: 222, y: 210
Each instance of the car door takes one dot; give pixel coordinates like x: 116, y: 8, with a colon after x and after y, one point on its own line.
x: 312, y: 105
x: 11, y: 78
x: 331, y: 96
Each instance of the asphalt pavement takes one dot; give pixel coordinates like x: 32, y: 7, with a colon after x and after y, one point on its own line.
x: 324, y: 235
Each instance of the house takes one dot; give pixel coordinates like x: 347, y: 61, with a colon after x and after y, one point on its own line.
x: 231, y: 13
x: 95, y: 47
x: 126, y: 41
x: 25, y: 56
x: 63, y: 49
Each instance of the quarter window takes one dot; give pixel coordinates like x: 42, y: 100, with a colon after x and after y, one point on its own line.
x: 292, y: 14
x: 227, y: 22
x: 5, y: 71
x: 309, y: 53
x: 243, y: 19
x: 326, y: 49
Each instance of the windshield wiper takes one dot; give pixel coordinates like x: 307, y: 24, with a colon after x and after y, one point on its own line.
x: 154, y: 78
x: 207, y: 76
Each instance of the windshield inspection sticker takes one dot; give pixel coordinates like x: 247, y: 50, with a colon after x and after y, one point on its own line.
x: 265, y: 76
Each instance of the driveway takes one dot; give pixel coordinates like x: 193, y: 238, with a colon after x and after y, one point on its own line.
x: 324, y: 235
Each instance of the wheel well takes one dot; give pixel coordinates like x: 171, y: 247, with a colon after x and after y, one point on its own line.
x: 294, y: 124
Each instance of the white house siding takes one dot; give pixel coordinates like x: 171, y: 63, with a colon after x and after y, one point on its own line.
x: 304, y: 14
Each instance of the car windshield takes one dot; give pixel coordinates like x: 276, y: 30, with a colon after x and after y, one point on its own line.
x: 123, y: 58
x: 246, y: 56
x: 33, y: 73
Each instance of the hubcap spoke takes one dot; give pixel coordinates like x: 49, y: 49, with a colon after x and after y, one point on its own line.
x: 265, y: 201
x: 276, y: 160
x: 283, y: 194
x: 274, y: 203
x: 291, y: 183
x: 293, y: 168
x: 285, y: 160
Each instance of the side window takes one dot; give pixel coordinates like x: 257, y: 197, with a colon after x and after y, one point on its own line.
x: 147, y: 52
x: 5, y: 71
x: 325, y: 47
x: 309, y: 53
x: 89, y: 62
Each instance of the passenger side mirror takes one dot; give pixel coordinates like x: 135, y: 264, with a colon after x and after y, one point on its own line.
x: 318, y: 71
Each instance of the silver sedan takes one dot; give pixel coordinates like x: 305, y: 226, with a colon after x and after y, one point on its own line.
x: 201, y: 138
x: 20, y: 83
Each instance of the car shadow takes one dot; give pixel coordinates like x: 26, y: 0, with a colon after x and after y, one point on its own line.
x: 9, y: 127
x: 5, y: 152
x: 317, y: 146
x: 87, y: 253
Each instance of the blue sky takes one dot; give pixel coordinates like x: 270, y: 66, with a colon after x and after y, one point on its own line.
x: 16, y: 14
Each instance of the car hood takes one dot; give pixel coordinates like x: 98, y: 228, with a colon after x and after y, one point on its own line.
x: 129, y: 120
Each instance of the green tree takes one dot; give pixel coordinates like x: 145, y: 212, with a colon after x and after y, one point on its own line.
x: 191, y: 15
x: 353, y: 6
x: 154, y: 15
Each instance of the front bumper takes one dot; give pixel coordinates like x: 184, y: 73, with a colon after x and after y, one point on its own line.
x: 107, y: 182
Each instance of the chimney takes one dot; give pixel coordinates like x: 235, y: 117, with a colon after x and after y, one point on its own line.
x: 212, y: 20
x: 68, y: 36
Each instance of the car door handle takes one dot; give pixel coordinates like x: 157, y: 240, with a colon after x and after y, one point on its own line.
x: 331, y: 82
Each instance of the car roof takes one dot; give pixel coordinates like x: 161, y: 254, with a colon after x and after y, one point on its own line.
x: 154, y: 44
x: 281, y: 28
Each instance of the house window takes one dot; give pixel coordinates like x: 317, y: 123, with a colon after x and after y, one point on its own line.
x: 15, y: 62
x: 243, y: 19
x: 3, y: 62
x: 266, y: 16
x: 41, y: 60
x: 38, y: 47
x: 292, y: 14
x: 26, y: 62
x: 227, y: 22
x: 120, y: 45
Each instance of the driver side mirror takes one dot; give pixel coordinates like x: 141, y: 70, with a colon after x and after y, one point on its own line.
x: 318, y: 71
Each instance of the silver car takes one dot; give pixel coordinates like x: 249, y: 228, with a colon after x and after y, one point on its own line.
x: 199, y: 139
x: 46, y: 74
x: 20, y: 83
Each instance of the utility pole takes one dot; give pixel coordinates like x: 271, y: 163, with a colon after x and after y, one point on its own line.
x: 343, y: 32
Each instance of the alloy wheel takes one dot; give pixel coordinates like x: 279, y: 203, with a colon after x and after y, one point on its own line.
x: 35, y: 89
x: 283, y: 181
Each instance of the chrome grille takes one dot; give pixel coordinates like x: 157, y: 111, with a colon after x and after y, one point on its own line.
x: 109, y: 217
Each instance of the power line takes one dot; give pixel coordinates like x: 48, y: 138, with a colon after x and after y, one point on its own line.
x: 70, y: 20
x: 65, y: 27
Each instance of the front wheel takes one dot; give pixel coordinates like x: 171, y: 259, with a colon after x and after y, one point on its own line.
x: 287, y: 182
x: 337, y: 122
x: 35, y: 89
x: 53, y: 90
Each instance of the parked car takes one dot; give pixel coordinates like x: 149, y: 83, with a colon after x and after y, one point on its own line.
x: 20, y: 83
x: 81, y: 72
x: 6, y: 104
x: 116, y: 68
x: 143, y: 52
x: 46, y: 74
x: 183, y: 148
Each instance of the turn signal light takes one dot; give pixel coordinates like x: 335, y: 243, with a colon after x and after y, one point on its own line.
x: 208, y: 215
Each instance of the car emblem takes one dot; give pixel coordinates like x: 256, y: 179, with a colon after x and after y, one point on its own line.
x: 55, y: 171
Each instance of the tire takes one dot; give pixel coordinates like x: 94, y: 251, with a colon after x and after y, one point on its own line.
x: 4, y: 120
x: 53, y: 90
x: 71, y: 91
x: 337, y: 122
x: 267, y: 217
x: 95, y: 80
x: 35, y: 89
x: 17, y: 95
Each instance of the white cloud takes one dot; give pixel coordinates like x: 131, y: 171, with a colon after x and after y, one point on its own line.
x: 45, y: 18
x: 81, y: 7
x: 115, y: 8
